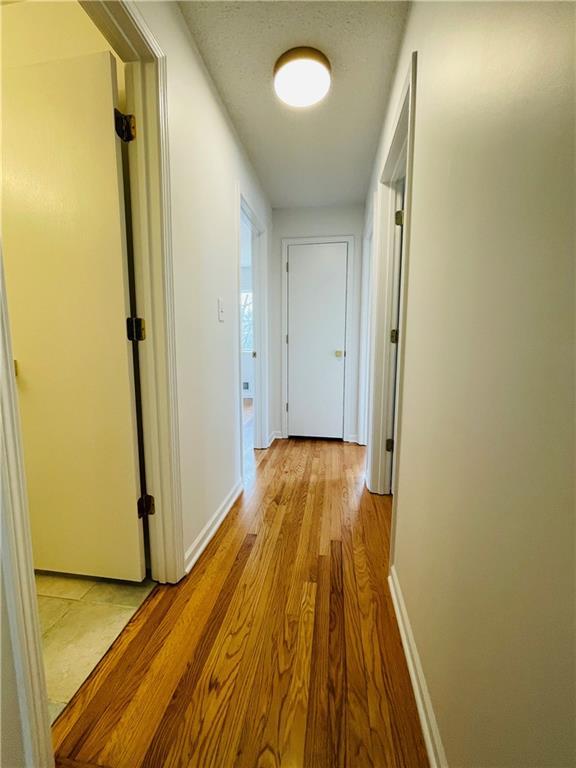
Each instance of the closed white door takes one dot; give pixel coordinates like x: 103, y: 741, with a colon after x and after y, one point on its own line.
x: 65, y: 262
x: 316, y: 338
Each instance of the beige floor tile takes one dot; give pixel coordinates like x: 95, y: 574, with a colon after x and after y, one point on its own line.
x: 50, y: 609
x: 75, y: 644
x: 54, y: 709
x: 71, y: 587
x: 119, y: 593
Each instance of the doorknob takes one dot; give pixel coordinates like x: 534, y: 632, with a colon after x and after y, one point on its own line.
x: 339, y: 353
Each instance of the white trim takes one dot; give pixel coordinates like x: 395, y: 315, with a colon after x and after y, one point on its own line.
x: 274, y: 436
x: 351, y: 343
x: 124, y: 27
x: 397, y: 164
x: 259, y: 278
x: 432, y: 738
x: 17, y: 570
x: 365, y: 340
x: 206, y: 534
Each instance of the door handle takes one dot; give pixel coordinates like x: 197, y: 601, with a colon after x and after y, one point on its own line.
x: 339, y: 353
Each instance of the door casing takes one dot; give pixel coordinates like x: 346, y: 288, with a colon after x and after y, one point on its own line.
x: 126, y: 31
x: 260, y: 329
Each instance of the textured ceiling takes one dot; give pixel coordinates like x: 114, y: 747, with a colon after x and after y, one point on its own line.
x: 321, y: 155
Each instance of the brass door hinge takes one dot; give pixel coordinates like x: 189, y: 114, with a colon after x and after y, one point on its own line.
x: 399, y: 218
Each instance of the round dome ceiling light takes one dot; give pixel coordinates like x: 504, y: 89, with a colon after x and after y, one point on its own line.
x: 302, y: 77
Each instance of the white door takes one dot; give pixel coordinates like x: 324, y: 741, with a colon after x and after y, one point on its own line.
x: 316, y: 339
x: 65, y: 262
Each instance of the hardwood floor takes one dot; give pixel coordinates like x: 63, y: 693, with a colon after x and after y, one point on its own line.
x: 280, y: 648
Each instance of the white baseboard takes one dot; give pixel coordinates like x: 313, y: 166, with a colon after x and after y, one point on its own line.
x: 434, y: 746
x: 202, y: 540
x: 273, y: 436
x: 350, y: 438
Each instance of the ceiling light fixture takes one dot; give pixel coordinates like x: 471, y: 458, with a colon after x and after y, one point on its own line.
x: 302, y: 77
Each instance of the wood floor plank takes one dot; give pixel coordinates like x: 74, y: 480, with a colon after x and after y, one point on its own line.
x: 337, y: 662
x: 358, y: 733
x: 128, y: 737
x: 280, y: 648
x: 168, y: 727
x: 294, y: 713
x: 317, y: 752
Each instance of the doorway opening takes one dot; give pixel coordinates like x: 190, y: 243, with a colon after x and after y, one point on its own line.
x: 391, y: 227
x: 79, y: 279
x: 252, y: 340
x: 248, y: 352
x: 396, y: 331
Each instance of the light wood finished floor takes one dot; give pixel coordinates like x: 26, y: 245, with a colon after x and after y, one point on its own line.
x: 279, y: 649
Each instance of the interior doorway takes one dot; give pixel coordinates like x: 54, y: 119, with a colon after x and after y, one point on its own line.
x: 396, y: 330
x: 248, y: 353
x: 70, y: 288
x: 316, y: 283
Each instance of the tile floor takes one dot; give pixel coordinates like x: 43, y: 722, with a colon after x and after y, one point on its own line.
x: 80, y: 618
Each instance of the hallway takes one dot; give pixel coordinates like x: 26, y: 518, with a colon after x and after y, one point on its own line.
x: 280, y: 648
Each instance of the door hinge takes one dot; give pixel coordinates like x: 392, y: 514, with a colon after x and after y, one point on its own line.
x: 254, y: 354
x: 125, y: 126
x: 135, y: 328
x: 389, y: 445
x: 286, y: 407
x: 286, y: 266
x: 394, y: 336
x: 146, y: 505
x: 399, y: 218
x: 286, y: 338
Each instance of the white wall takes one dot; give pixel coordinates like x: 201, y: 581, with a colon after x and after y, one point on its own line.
x: 312, y: 222
x: 484, y: 545
x: 207, y: 164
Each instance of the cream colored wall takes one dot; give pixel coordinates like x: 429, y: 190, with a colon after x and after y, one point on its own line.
x: 33, y: 32
x: 311, y: 222
x: 484, y: 547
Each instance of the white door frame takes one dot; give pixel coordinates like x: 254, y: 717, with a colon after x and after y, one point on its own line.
x: 365, y: 343
x: 260, y: 325
x: 126, y: 31
x: 129, y: 35
x: 397, y: 165
x: 350, y: 342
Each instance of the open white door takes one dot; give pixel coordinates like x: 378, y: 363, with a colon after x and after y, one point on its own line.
x: 316, y: 338
x: 65, y: 262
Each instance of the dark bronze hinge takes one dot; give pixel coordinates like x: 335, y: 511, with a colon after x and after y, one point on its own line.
x: 389, y: 445
x: 146, y: 505
x: 399, y: 218
x: 394, y: 336
x: 125, y: 126
x: 135, y: 328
